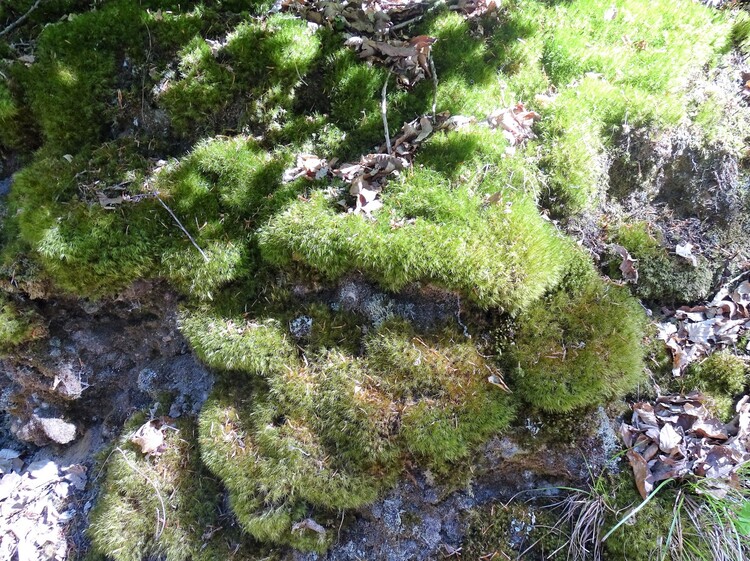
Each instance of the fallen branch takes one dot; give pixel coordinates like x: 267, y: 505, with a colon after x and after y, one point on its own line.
x: 435, y: 84
x: 20, y: 20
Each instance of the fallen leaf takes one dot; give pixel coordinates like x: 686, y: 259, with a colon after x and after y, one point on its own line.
x: 308, y: 524
x: 669, y: 439
x: 686, y: 252
x: 150, y: 438
x: 640, y: 472
x: 627, y: 267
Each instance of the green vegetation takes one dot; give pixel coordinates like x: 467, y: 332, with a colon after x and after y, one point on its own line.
x: 661, y: 276
x: 152, y: 138
x: 499, y: 258
x: 331, y: 434
x: 17, y: 325
x: 578, y: 349
x: 164, y: 505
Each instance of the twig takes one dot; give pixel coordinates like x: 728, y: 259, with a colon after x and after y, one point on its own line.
x: 172, y: 214
x: 435, y: 84
x: 20, y: 20
x: 161, y: 520
x: 384, y: 113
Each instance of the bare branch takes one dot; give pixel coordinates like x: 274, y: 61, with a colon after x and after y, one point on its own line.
x: 177, y: 220
x: 20, y: 20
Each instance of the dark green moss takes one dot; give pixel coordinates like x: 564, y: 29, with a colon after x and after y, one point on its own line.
x: 661, y: 277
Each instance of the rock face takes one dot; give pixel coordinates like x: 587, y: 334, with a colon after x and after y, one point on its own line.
x: 99, y: 364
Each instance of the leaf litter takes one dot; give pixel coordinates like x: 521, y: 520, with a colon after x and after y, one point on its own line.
x: 367, y: 178
x: 697, y: 331
x: 677, y: 437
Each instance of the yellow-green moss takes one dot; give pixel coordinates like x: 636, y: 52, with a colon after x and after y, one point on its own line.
x: 577, y: 350
x: 497, y: 258
x: 131, y: 523
x: 17, y: 325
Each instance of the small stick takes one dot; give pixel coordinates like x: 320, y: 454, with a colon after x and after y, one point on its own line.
x: 384, y: 113
x: 435, y: 84
x: 172, y: 214
x: 20, y: 20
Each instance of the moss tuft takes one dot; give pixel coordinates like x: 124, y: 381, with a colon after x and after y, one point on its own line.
x: 17, y: 325
x: 496, y: 257
x: 131, y: 523
x: 661, y: 276
x: 575, y: 351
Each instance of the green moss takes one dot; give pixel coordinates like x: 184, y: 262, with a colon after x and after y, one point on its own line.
x: 574, y: 351
x: 17, y: 325
x: 70, y: 87
x: 497, y: 258
x: 124, y: 524
x: 661, y: 276
x: 721, y: 372
x: 447, y: 404
x: 203, y: 90
x: 237, y: 344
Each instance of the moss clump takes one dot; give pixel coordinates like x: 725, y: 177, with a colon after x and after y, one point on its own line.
x: 722, y: 372
x: 70, y: 87
x: 259, y: 349
x: 306, y: 440
x: 722, y: 376
x: 130, y: 523
x: 496, y: 257
x: 441, y: 383
x: 661, y: 276
x: 17, y: 325
x: 577, y: 350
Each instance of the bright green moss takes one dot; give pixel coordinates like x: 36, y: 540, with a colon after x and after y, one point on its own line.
x: 722, y: 376
x: 236, y: 344
x: 124, y: 524
x: 574, y: 351
x: 661, y: 276
x: 496, y: 257
x: 84, y: 248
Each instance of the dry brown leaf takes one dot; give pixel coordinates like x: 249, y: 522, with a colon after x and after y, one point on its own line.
x: 627, y: 267
x: 640, y: 472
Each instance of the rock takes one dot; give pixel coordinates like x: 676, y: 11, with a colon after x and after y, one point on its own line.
x: 44, y: 430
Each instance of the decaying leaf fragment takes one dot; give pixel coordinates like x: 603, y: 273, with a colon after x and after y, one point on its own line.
x: 516, y: 123
x: 150, y: 437
x: 408, y: 60
x: 627, y: 267
x: 308, y: 524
